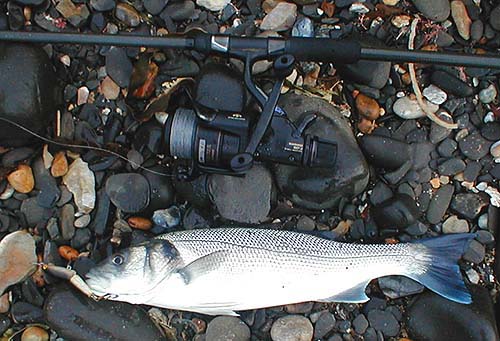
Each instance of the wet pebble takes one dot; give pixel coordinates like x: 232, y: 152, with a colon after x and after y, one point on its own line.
x: 468, y: 205
x: 367, y: 107
x: 474, y: 146
x: 432, y: 317
x: 488, y: 94
x: 227, y: 328
x: 408, y: 108
x: 81, y: 238
x: 400, y: 211
x: 167, y: 218
x: 475, y: 252
x: 128, y: 191
x: 127, y: 14
x: 384, y: 322
x: 254, y: 206
x: 439, y: 204
x: 59, y: 165
x: 385, y: 152
x: 118, y: 65
x: 292, y: 328
x: 213, y: 5
x: 74, y: 316
x: 447, y: 147
x: 34, y: 333
x: 461, y: 18
x: 451, y: 167
x: 281, y: 18
x: 17, y: 258
x: 80, y: 181
x: 455, y: 225
x: 22, y: 179
x: 155, y: 6
x: 399, y: 286
x: 438, y: 10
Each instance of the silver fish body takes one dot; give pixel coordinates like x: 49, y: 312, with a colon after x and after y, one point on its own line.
x: 221, y: 271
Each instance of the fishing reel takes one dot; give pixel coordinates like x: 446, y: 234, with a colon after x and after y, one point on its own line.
x: 223, y: 130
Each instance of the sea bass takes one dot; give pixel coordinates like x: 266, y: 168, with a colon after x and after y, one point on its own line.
x: 224, y: 270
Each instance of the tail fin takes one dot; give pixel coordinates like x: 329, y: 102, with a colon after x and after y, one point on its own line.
x: 435, y: 265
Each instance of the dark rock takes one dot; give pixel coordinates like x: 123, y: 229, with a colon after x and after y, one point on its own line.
x: 81, y: 238
x: 469, y: 205
x: 179, y: 11
x: 417, y: 229
x: 491, y: 131
x: 495, y: 171
x: 438, y: 10
x: 451, y: 84
x: 129, y: 192
x: 380, y: 193
x: 34, y: 213
x: 360, y: 324
x: 472, y: 171
x: 67, y: 216
x: 127, y: 14
x: 25, y: 313
x: 16, y: 155
x: 320, y: 188
x: 374, y: 303
x: 30, y: 95
x: 245, y: 200
x: 474, y: 146
x: 118, y: 66
x: 162, y: 191
x: 476, y: 30
x: 439, y: 204
x: 399, y: 286
x: 102, y: 5
x: 451, y: 167
x: 154, y: 6
x: 400, y: 211
x: 227, y: 328
x: 485, y: 237
x: 475, y: 252
x: 385, y: 152
x: 439, y: 133
x: 325, y: 323
x: 396, y: 176
x: 100, y: 221
x: 495, y: 18
x: 447, y: 147
x: 30, y: 2
x: 49, y: 193
x: 432, y: 317
x: 74, y: 316
x: 371, y: 73
x: 193, y: 219
x: 384, y: 322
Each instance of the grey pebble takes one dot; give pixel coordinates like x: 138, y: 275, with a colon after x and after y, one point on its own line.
x: 451, y: 167
x: 475, y: 252
x: 227, y: 328
x: 469, y: 205
x: 360, y: 324
x: 439, y: 204
x: 383, y: 321
x: 399, y: 286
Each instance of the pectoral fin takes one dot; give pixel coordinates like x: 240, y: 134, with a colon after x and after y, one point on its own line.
x: 354, y: 295
x: 203, y: 266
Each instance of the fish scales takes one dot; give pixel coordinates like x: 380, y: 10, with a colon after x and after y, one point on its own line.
x: 225, y: 270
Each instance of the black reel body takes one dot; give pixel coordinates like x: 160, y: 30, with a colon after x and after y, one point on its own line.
x: 223, y: 131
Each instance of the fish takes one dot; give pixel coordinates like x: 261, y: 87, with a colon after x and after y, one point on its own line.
x: 221, y: 271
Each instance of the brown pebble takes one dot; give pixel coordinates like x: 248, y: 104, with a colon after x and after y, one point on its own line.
x: 59, y: 165
x: 68, y: 253
x: 461, y: 18
x: 109, y: 89
x: 367, y: 107
x: 35, y: 333
x: 200, y: 324
x: 366, y: 126
x: 140, y: 223
x: 435, y: 183
x: 22, y: 179
x: 4, y: 303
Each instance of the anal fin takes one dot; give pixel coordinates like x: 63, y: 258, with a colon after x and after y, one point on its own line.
x: 355, y: 294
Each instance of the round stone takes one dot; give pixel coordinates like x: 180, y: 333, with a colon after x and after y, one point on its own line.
x: 227, y: 328
x: 128, y: 191
x: 292, y: 328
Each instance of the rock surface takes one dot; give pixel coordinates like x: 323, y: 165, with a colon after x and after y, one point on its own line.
x: 30, y: 94
x: 74, y: 316
x: 432, y: 317
x: 254, y: 206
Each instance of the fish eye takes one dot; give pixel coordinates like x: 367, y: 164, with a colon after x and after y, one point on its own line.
x: 118, y: 260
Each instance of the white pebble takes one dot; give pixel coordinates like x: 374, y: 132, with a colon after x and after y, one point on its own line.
x: 434, y: 94
x: 495, y: 149
x: 408, y: 108
x: 472, y: 275
x: 482, y: 222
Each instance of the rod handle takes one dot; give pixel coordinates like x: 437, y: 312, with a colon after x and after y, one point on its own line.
x: 323, y: 50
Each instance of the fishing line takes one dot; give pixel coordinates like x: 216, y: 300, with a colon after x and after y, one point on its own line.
x: 69, y: 145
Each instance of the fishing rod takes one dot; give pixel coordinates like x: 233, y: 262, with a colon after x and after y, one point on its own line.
x: 210, y: 137
x: 303, y: 49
